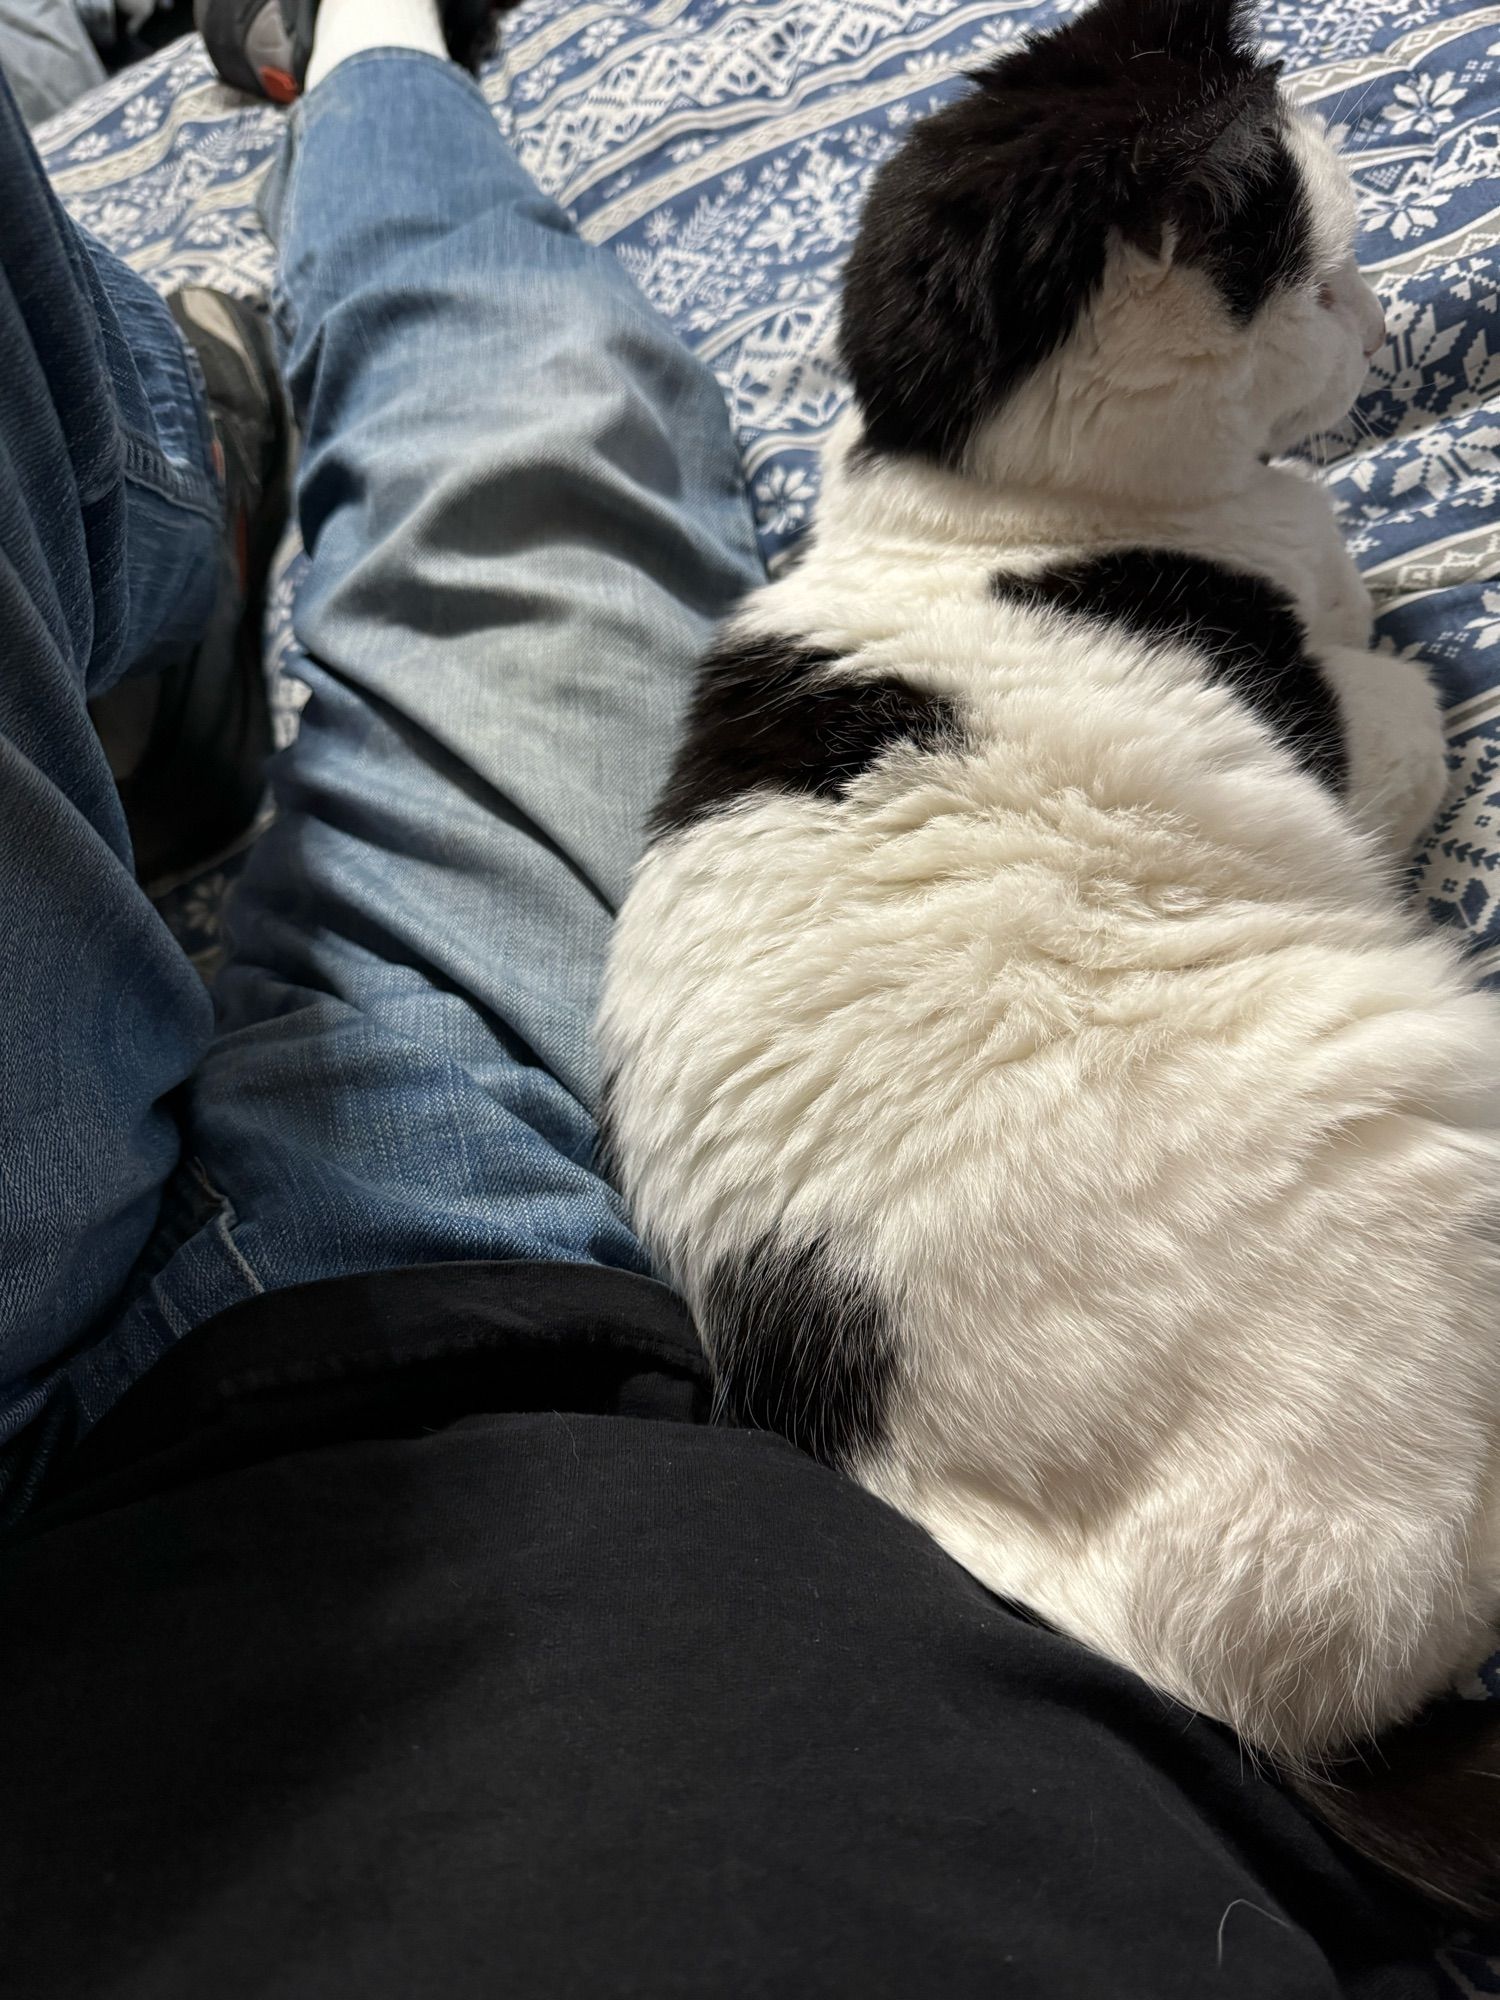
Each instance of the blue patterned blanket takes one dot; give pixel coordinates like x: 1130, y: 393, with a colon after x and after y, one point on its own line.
x: 722, y: 147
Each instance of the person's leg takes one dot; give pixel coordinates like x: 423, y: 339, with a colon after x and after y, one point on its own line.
x: 110, y: 533
x: 587, y: 1703
x: 49, y: 58
x: 524, y: 512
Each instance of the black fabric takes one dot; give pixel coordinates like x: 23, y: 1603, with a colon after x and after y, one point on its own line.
x: 333, y: 1672
x: 392, y: 1353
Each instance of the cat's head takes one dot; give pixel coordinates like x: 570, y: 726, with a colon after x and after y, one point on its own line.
x: 1125, y: 251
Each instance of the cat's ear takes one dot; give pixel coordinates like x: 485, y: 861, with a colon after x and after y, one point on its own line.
x: 1189, y: 30
x: 1211, y: 38
x: 1189, y: 171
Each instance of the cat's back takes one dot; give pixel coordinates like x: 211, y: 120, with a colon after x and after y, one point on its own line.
x: 961, y: 883
x: 1006, y: 805
x: 1036, y: 1087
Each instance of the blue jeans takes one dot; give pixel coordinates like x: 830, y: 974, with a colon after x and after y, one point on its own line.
x: 524, y: 512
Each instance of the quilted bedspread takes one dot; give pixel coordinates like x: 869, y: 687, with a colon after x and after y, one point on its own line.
x: 721, y: 147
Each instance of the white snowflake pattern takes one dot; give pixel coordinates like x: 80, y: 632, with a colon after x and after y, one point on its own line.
x: 140, y: 116
x: 1415, y: 345
x: 1410, y: 202
x: 198, y: 910
x: 782, y: 497
x: 1448, y: 456
x: 929, y: 64
x: 1480, y: 365
x: 1424, y: 105
x: 1305, y: 34
x: 540, y: 78
x: 600, y: 36
x: 995, y: 36
x: 116, y: 218
x: 816, y: 212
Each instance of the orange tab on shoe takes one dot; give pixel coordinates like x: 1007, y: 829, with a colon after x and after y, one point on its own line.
x: 278, y: 84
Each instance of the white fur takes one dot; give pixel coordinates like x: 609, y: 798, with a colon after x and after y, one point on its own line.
x: 1105, y: 1046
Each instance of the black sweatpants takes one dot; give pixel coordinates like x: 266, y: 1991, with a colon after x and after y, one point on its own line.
x: 417, y: 1635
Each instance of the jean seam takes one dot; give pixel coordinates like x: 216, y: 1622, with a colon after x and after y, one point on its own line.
x: 286, y: 223
x: 223, y: 1226
x: 208, y: 436
x: 213, y: 1225
x: 145, y: 465
x: 224, y: 1222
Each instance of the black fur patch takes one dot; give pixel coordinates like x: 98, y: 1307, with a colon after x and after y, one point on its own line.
x: 985, y: 236
x: 1248, y: 630
x: 801, y: 1346
x: 762, y: 720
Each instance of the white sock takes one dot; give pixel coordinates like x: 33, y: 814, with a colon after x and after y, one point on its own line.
x: 349, y: 27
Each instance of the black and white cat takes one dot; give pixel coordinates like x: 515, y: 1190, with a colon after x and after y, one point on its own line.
x: 1019, y: 1053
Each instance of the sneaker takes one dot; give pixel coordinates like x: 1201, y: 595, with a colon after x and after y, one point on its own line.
x: 263, y: 46
x: 193, y: 781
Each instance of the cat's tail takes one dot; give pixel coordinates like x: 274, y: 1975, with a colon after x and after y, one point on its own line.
x: 1423, y: 1803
